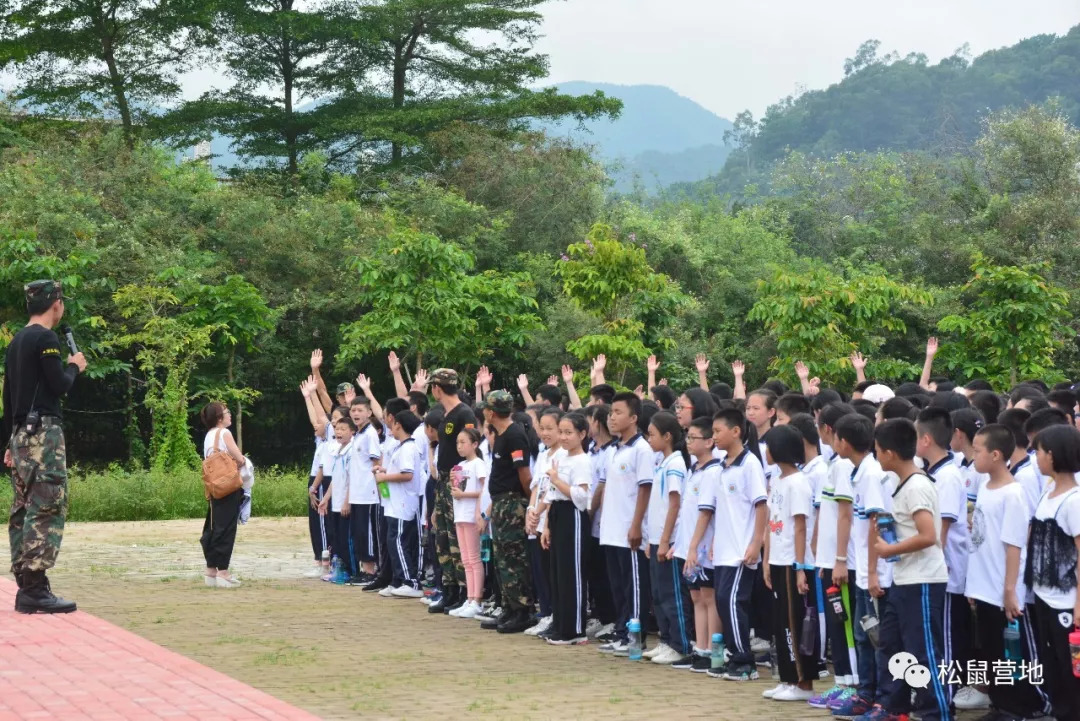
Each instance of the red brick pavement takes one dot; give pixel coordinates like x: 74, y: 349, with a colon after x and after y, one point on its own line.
x: 78, y: 667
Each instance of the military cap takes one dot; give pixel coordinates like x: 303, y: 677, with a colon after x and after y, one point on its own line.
x: 344, y: 388
x: 445, y: 377
x: 50, y: 290
x: 499, y: 402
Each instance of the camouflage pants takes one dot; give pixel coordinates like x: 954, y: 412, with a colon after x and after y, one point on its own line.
x: 446, y: 543
x: 39, y: 506
x: 510, y: 549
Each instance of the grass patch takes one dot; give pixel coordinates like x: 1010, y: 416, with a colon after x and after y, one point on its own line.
x: 288, y: 656
x: 117, y: 494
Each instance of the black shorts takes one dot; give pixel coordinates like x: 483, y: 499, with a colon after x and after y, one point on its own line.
x: 704, y: 579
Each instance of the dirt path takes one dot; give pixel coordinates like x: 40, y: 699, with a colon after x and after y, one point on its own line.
x: 341, y: 653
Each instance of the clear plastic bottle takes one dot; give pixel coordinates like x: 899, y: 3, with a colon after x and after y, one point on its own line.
x: 716, y: 652
x: 633, y: 628
x: 337, y: 571
x: 1014, y: 652
x: 887, y: 530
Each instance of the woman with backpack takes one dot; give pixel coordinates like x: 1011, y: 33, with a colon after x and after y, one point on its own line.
x: 223, y: 513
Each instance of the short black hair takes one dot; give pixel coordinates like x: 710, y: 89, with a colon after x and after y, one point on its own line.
x: 1038, y: 383
x: 1063, y: 398
x: 1063, y: 445
x: 792, y: 404
x: 664, y: 396
x: 704, y: 425
x: 833, y: 412
x: 979, y: 384
x: 805, y: 424
x: 824, y: 397
x: 1000, y: 438
x: 360, y: 401
x: 863, y: 385
x: 936, y: 423
x: 897, y: 435
x: 857, y: 430
x: 1024, y: 390
x: 420, y: 400
x: 949, y: 400
x: 394, y: 406
x: 785, y: 445
x: 865, y: 408
x: 721, y: 389
x: 1014, y: 419
x: 988, y: 403
x: 731, y: 417
x: 968, y: 421
x: 944, y: 384
x: 898, y: 407
x: 1047, y: 417
x: 775, y: 385
x: 1034, y: 405
x: 39, y: 304
x: 603, y: 392
x: 408, y: 421
x: 909, y: 388
x: 549, y: 393
x: 632, y: 402
x: 434, y: 417
x: 346, y: 421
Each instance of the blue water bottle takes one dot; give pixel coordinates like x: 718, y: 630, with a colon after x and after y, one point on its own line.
x: 338, y: 571
x: 633, y: 627
x: 716, y: 652
x: 485, y: 541
x: 1014, y: 652
x: 887, y: 530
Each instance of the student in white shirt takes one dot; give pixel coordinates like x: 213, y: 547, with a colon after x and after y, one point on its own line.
x: 466, y: 489
x: 737, y: 501
x: 999, y: 536
x: 966, y: 423
x: 1021, y: 465
x: 402, y: 497
x: 536, y: 517
x: 671, y: 597
x: 789, y: 563
x: 601, y: 448
x: 337, y: 455
x: 568, y: 498
x: 323, y: 431
x: 1053, y: 549
x: 625, y: 498
x: 361, y: 497
x: 914, y: 609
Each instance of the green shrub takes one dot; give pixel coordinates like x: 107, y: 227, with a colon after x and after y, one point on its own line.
x: 117, y: 494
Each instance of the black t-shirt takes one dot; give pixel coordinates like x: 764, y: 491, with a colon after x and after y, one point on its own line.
x: 33, y: 362
x: 460, y: 418
x: 510, y: 453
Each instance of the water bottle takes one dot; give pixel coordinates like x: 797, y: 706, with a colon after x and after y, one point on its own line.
x: 1074, y: 651
x: 836, y: 600
x: 633, y: 627
x: 1014, y: 653
x: 887, y: 530
x: 326, y: 558
x: 337, y: 571
x: 485, y: 547
x: 716, y: 652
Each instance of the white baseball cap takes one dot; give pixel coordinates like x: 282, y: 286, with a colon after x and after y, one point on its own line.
x: 878, y: 393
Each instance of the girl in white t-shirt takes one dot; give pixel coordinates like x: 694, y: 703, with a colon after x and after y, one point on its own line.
x: 466, y: 487
x: 536, y: 519
x: 788, y: 562
x: 1053, y: 548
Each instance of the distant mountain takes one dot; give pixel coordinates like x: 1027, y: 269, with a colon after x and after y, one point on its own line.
x: 660, y: 138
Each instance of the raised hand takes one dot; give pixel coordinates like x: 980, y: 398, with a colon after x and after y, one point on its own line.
x: 365, y: 384
x: 931, y: 347
x: 420, y: 383
x: 350, y: 396
x: 640, y: 392
x: 663, y: 382
x: 738, y: 368
x: 316, y: 359
x: 523, y: 382
x: 567, y: 375
x: 599, y: 363
x: 395, y: 362
x: 553, y: 380
x: 802, y: 371
x: 701, y: 363
x: 484, y: 377
x: 858, y: 362
x: 815, y: 387
x: 652, y: 365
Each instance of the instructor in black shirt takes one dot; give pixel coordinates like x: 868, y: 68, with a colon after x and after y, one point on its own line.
x: 35, y: 379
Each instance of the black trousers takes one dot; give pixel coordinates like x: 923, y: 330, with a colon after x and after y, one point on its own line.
x: 403, y: 544
x: 733, y: 587
x: 382, y: 532
x: 540, y: 569
x: 569, y: 527
x: 629, y: 577
x: 1021, y: 698
x: 219, y: 529
x: 761, y: 610
x: 321, y: 533
x: 1052, y: 627
x: 789, y: 615
x: 363, y: 533
x: 841, y: 632
x: 918, y: 612
x: 959, y: 622
x: 600, y: 602
x: 672, y: 605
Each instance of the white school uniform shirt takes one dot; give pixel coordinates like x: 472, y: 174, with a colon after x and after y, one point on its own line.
x: 836, y: 489
x: 789, y: 496
x: 388, y: 447
x: 338, y: 462
x: 630, y: 466
x: 817, y: 473
x: 948, y: 478
x: 669, y: 477
x: 576, y: 472
x: 957, y: 458
x: 1065, y: 510
x: 542, y: 483
x: 771, y: 469
x: 1000, y: 518
x: 404, y: 501
x: 475, y: 473
x: 705, y: 476
x: 739, y: 487
x: 365, y: 451
x: 1029, y: 479
x: 320, y: 439
x: 873, y: 494
x: 973, y: 480
x: 918, y: 493
x: 600, y: 457
x: 419, y: 437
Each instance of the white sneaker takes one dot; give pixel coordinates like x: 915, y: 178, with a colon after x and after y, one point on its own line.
x: 387, y: 592
x: 407, y: 592
x: 769, y: 693
x: 793, y: 693
x: 592, y: 628
x: 759, y: 645
x: 316, y: 572
x: 605, y: 629
x: 656, y: 651
x: 545, y: 624
x: 230, y: 582
x: 666, y: 657
x: 469, y: 610
x: 969, y: 698
x: 210, y: 581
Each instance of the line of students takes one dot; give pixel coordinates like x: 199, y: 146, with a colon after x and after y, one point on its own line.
x: 723, y: 515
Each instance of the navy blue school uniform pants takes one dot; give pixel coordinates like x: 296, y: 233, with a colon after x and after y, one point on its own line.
x: 403, y: 547
x: 913, y: 620
x: 672, y: 604
x: 629, y: 577
x: 319, y: 527
x: 1021, y: 698
x: 734, y: 586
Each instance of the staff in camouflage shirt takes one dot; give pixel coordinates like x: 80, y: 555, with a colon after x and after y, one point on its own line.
x: 35, y: 379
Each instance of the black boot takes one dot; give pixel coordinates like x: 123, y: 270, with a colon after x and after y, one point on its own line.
x: 449, y: 598
x: 493, y: 624
x: 36, y: 596
x: 516, y: 623
x: 18, y: 578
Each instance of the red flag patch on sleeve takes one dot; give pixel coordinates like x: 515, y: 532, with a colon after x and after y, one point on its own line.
x: 517, y: 455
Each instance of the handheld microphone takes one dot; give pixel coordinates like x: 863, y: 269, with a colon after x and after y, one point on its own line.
x: 66, y: 330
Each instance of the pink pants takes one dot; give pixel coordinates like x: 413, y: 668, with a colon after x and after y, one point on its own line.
x: 469, y: 542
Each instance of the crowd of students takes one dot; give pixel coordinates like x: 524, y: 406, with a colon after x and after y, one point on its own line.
x: 807, y: 527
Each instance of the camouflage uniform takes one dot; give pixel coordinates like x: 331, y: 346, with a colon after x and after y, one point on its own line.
x: 510, y: 549
x: 446, y: 541
x: 39, y: 506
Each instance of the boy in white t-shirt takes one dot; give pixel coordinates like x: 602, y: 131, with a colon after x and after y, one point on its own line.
x: 402, y: 510
x: 362, y: 497
x: 914, y: 609
x: 999, y: 535
x: 336, y: 457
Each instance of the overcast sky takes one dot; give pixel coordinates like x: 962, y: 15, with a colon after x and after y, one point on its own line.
x: 730, y: 55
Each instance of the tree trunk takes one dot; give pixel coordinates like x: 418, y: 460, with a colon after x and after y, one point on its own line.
x: 399, y: 94
x: 116, y: 80
x: 240, y: 425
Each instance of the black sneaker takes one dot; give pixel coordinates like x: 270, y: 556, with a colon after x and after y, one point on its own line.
x: 493, y: 624
x: 376, y: 586
x: 701, y: 663
x: 684, y: 663
x: 606, y: 637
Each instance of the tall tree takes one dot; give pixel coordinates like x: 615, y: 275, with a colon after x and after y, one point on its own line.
x: 92, y: 58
